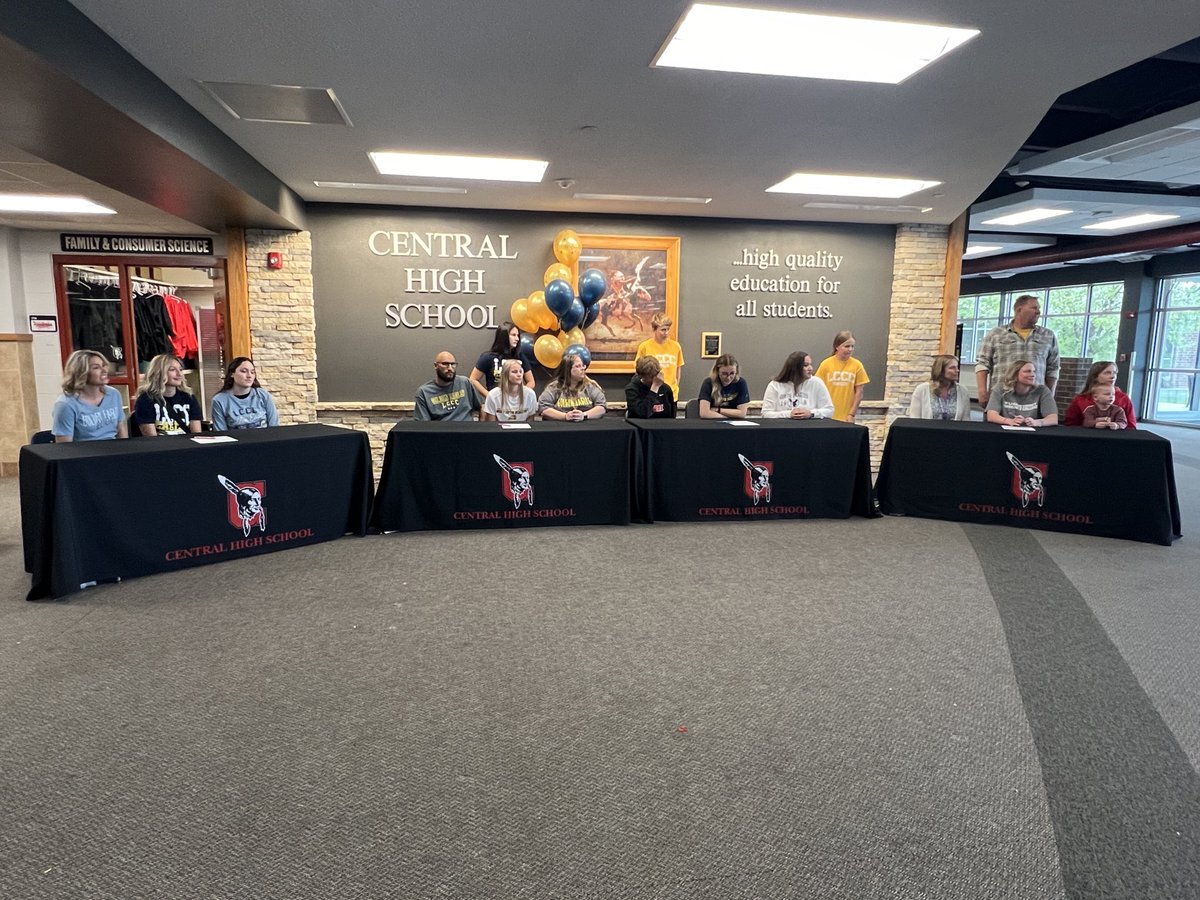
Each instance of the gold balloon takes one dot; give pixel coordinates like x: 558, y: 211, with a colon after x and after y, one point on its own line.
x: 567, y: 247
x: 574, y: 336
x: 521, y: 315
x: 549, y: 350
x: 540, y: 312
x: 557, y: 270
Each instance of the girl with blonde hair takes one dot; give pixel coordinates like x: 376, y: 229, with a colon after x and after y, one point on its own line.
x: 724, y: 393
x: 88, y: 409
x: 164, y: 405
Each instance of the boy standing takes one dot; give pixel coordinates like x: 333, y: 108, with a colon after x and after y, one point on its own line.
x: 665, y: 349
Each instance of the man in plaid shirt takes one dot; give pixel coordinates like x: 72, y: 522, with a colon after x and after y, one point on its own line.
x: 1022, y: 338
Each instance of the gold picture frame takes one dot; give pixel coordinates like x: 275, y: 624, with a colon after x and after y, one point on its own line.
x: 710, y: 344
x: 643, y: 279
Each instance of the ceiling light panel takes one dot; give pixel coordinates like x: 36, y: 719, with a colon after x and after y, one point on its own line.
x: 1027, y: 216
x: 802, y: 45
x: 1080, y: 211
x: 281, y: 104
x: 981, y: 244
x: 1129, y: 223
x: 477, y: 168
x: 48, y: 203
x: 849, y: 185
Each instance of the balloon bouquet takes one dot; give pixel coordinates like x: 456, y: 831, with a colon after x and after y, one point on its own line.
x: 557, y: 310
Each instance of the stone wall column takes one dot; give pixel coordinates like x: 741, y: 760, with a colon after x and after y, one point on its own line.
x: 283, y: 321
x: 915, y: 330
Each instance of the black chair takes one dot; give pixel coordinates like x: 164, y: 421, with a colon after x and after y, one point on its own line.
x: 42, y: 437
x: 691, y: 409
x: 132, y: 425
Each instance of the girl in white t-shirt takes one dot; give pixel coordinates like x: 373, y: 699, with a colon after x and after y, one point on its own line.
x: 510, y: 400
x: 796, y: 393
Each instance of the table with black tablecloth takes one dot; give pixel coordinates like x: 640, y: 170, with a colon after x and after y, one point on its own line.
x: 1107, y: 483
x: 448, y: 475
x: 702, y: 469
x: 101, y: 511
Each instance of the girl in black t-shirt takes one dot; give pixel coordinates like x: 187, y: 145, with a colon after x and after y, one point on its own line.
x: 506, y: 345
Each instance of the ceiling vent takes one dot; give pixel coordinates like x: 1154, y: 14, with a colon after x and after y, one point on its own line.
x: 282, y: 104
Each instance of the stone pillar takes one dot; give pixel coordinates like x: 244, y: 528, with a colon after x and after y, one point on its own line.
x: 19, y: 411
x: 915, y: 330
x: 283, y: 321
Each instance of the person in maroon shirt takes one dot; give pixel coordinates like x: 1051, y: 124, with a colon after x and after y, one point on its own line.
x: 1103, y: 372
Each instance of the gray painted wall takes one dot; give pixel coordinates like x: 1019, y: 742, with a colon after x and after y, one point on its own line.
x: 359, y: 358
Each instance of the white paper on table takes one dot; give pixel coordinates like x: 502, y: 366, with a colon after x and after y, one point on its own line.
x: 515, y: 425
x: 1018, y: 428
x: 741, y: 422
x: 214, y: 439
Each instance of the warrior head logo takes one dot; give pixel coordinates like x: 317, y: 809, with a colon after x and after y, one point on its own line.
x: 1029, y: 480
x: 758, y: 480
x: 517, y: 486
x: 246, y: 504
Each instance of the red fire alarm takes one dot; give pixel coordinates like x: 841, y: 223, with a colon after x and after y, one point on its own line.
x: 274, y: 260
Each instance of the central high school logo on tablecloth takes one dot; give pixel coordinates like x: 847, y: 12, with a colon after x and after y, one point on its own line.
x: 756, y: 481
x: 517, y: 482
x: 244, y: 505
x: 1028, y: 480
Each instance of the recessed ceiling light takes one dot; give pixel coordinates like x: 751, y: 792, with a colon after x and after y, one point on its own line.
x: 977, y: 249
x: 641, y: 198
x: 1130, y: 221
x: 440, y: 165
x: 1026, y: 216
x: 367, y: 186
x: 803, y: 45
x: 44, y: 203
x: 849, y: 185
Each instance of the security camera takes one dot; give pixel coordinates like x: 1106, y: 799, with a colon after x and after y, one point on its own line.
x: 565, y: 183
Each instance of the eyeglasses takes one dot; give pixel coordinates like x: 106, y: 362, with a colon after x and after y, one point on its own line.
x: 452, y: 365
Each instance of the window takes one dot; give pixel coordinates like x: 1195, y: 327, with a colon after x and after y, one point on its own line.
x: 1084, y: 317
x: 1173, y: 384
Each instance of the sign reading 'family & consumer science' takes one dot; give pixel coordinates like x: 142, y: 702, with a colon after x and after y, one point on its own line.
x: 137, y: 243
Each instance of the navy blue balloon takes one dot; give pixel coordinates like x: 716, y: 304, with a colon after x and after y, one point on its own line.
x: 525, y: 346
x: 592, y: 285
x: 559, y: 297
x: 592, y: 314
x: 572, y: 316
x: 581, y: 351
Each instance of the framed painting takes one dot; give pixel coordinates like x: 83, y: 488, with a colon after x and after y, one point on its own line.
x: 643, y: 279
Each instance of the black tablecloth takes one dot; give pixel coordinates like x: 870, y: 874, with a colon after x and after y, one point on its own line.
x: 700, y: 469
x: 103, y: 510
x: 445, y: 475
x: 1109, y: 483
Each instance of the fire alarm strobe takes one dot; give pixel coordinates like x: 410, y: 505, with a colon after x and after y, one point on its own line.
x: 274, y: 260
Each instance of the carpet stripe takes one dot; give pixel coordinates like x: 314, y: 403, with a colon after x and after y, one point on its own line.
x: 1124, y: 799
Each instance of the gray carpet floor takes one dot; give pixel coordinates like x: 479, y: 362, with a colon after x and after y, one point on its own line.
x: 831, y: 709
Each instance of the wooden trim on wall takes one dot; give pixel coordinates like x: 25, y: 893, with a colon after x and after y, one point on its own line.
x: 16, y: 338
x: 956, y: 242
x: 237, y: 292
